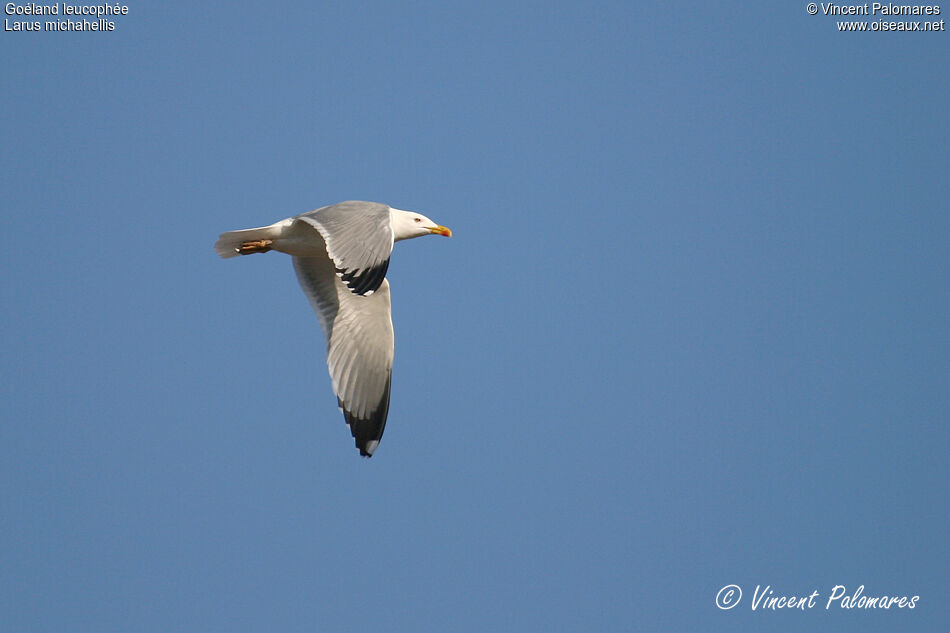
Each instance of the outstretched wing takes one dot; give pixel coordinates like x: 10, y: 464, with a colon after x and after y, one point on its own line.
x: 359, y: 238
x: 359, y: 333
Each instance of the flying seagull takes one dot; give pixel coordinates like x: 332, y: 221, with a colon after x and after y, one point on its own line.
x: 341, y: 254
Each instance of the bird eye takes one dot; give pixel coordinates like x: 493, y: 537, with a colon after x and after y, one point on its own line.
x: 417, y: 219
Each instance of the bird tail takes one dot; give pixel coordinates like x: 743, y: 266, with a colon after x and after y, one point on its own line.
x: 229, y: 244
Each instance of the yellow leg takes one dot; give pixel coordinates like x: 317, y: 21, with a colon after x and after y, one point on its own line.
x: 254, y: 246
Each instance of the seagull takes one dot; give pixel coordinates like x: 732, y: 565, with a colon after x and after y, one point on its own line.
x: 341, y: 254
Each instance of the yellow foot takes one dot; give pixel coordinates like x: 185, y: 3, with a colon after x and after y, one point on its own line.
x: 255, y: 246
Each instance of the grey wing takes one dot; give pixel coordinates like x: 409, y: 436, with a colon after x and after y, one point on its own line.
x: 359, y: 333
x: 359, y: 239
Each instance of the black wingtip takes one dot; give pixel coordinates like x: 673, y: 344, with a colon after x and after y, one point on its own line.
x: 361, y: 282
x: 367, y: 432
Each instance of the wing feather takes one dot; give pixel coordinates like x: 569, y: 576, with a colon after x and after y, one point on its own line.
x: 359, y: 240
x: 359, y: 333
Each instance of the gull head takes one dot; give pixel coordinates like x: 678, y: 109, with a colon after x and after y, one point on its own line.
x: 408, y: 224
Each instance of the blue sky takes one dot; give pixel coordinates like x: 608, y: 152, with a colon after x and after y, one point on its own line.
x: 691, y: 330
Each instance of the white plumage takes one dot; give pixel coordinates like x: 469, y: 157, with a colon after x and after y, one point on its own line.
x: 341, y: 255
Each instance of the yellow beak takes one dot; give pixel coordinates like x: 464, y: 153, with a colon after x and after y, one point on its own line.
x: 441, y: 230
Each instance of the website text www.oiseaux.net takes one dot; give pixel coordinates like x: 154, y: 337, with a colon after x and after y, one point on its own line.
x: 884, y: 15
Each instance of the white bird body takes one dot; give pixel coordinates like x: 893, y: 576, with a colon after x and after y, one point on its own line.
x: 341, y: 255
